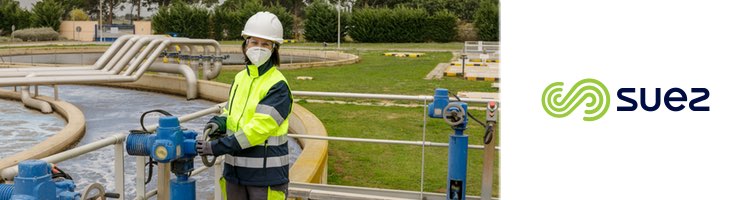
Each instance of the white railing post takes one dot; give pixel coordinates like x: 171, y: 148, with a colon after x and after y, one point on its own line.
x: 163, y: 176
x: 120, y: 169
x: 140, y: 177
x: 424, y: 139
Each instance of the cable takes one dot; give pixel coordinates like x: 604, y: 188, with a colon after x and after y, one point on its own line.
x: 151, y: 161
x: 60, y: 173
x: 468, y: 113
x: 490, y: 130
x: 150, y: 111
x: 150, y: 165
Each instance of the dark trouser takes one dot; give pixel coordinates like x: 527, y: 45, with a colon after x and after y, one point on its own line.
x: 241, y: 192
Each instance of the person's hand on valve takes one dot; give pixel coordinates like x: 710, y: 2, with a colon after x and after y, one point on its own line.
x: 215, y: 128
x: 203, y: 147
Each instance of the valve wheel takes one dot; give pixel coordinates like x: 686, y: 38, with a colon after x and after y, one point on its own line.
x: 454, y: 117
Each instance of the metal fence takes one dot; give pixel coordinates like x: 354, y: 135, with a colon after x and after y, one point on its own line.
x: 110, y: 32
x: 481, y: 47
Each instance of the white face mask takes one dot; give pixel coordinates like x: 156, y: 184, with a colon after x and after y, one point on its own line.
x: 258, y: 55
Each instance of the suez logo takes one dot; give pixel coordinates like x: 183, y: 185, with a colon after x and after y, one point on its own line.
x: 594, y: 96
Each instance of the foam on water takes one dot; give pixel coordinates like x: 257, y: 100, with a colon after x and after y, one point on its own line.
x: 21, y: 128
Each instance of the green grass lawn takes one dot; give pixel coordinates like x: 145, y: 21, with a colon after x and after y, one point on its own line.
x: 332, y: 45
x: 376, y: 73
x: 378, y: 165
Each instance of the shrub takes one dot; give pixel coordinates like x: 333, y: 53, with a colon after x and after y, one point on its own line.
x: 47, y: 13
x: 401, y: 24
x: 182, y: 19
x: 225, y: 22
x: 36, y: 34
x: 78, y: 15
x: 486, y: 21
x: 8, y: 39
x: 467, y: 32
x: 321, y: 23
x: 463, y: 9
x: 11, y: 14
x: 441, y: 27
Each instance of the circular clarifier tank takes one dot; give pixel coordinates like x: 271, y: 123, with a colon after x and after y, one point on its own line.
x: 90, y: 58
x: 109, y: 111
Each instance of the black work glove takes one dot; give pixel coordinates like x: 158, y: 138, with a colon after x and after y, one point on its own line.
x: 203, y: 147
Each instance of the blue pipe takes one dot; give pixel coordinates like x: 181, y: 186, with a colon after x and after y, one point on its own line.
x: 182, y: 187
x: 6, y: 191
x: 457, y: 153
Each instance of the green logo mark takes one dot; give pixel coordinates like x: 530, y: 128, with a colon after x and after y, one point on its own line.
x: 589, y: 91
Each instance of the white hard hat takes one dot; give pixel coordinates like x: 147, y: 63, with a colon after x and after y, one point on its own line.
x: 264, y: 25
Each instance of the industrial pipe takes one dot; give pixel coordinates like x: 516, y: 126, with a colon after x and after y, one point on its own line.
x: 98, y: 65
x: 189, y: 74
x: 130, y: 54
x: 28, y: 101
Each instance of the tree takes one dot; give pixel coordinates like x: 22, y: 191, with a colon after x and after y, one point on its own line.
x: 78, y: 15
x: 377, y: 3
x: 293, y: 6
x: 47, y: 13
x: 464, y: 9
x: 442, y: 27
x: 182, y: 19
x: 11, y: 14
x: 321, y: 22
x: 69, y: 5
x: 486, y: 20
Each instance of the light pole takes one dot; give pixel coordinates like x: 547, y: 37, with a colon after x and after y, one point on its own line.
x: 100, y: 20
x: 338, y: 9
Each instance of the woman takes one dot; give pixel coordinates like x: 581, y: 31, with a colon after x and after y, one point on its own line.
x: 255, y: 119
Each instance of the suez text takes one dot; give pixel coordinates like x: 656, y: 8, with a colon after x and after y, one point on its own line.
x: 674, y: 99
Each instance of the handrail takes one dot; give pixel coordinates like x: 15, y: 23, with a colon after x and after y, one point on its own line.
x: 383, y: 96
x: 10, y: 172
x: 381, y: 141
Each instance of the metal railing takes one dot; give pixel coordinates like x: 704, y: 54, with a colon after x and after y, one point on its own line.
x: 299, y: 190
x: 481, y: 47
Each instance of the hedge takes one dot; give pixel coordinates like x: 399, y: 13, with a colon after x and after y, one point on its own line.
x: 182, y: 19
x: 321, y: 22
x: 442, y: 27
x: 402, y: 24
x: 224, y: 23
x: 486, y: 21
x: 36, y: 34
